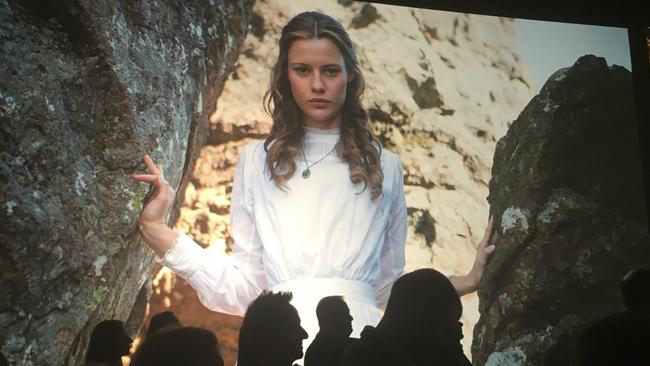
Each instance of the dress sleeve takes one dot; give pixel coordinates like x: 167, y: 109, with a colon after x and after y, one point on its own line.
x: 392, y: 258
x: 226, y: 283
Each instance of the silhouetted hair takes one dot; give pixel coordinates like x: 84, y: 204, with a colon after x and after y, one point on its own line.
x: 104, y: 345
x: 166, y: 319
x: 635, y: 288
x: 265, y: 322
x: 328, y: 307
x: 423, y: 286
x: 184, y: 346
x: 358, y: 146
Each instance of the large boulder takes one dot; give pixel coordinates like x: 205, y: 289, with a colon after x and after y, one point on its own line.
x: 87, y: 88
x: 567, y: 193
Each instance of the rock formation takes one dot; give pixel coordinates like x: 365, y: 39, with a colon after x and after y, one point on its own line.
x: 87, y: 89
x: 567, y: 193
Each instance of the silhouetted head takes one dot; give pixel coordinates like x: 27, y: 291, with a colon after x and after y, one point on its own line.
x: 425, y: 303
x: 334, y: 316
x: 164, y: 320
x: 108, y: 343
x: 635, y: 288
x: 270, y: 334
x: 183, y: 346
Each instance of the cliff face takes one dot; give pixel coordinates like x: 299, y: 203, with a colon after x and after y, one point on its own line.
x: 441, y: 89
x: 87, y: 89
x: 567, y: 192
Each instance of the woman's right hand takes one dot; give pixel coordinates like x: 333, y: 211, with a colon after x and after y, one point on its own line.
x: 155, y: 209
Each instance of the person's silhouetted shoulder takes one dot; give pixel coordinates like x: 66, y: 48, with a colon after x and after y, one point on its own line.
x: 372, y: 349
x: 179, y: 346
x: 325, y: 351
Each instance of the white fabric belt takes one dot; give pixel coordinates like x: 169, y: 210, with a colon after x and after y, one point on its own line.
x: 324, y: 286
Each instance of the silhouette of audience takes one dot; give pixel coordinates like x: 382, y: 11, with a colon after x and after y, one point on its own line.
x: 108, y: 343
x: 635, y: 290
x: 182, y: 346
x: 163, y: 321
x: 622, y: 338
x: 420, y: 326
x: 333, y: 338
x: 270, y: 334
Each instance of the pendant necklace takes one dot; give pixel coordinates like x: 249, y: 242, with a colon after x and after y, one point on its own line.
x: 306, y: 173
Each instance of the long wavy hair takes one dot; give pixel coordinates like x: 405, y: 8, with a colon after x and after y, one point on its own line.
x: 358, y: 146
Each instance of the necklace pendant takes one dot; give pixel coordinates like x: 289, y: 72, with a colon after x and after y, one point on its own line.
x: 306, y: 173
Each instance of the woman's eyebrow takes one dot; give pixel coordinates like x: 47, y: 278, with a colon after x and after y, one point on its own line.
x: 306, y: 64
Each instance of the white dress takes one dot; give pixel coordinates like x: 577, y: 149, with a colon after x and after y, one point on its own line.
x: 321, y: 237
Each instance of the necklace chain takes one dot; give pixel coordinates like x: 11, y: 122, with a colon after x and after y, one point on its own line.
x: 306, y: 173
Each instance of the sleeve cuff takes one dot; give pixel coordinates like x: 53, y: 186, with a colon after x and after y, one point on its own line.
x: 183, y: 257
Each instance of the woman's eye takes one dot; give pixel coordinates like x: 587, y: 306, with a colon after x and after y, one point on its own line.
x: 332, y: 72
x: 301, y: 70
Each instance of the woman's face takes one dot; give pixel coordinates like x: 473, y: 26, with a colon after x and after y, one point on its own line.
x: 318, y: 79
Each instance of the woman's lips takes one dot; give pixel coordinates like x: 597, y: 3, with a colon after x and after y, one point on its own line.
x: 319, y: 103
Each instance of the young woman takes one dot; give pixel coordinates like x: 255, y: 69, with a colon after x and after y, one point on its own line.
x: 317, y: 208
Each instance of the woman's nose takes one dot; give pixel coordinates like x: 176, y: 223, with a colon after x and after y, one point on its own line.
x: 317, y: 84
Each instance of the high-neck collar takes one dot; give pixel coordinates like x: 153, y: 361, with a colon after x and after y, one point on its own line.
x: 320, y: 137
x: 319, y: 131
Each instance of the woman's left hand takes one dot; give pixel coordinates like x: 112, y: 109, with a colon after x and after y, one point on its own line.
x: 482, y: 253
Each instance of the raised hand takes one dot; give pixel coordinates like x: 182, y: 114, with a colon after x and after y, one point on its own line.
x: 482, y: 253
x: 469, y: 283
x: 155, y: 209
